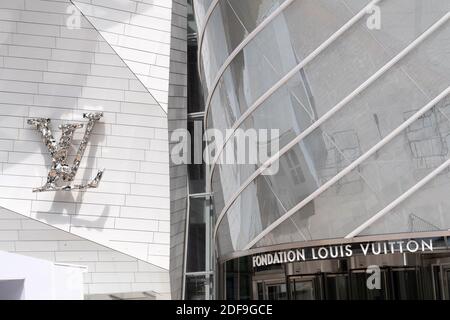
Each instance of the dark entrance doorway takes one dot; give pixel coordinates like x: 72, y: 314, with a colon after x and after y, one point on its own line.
x: 400, y: 277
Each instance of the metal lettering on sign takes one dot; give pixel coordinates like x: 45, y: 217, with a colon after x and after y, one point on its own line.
x: 61, y: 174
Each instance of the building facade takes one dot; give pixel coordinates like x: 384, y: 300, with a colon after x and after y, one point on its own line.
x: 60, y: 59
x: 359, y: 93
x: 351, y: 204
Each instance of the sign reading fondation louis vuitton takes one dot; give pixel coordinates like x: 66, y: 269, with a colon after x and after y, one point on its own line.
x: 61, y: 174
x: 341, y: 251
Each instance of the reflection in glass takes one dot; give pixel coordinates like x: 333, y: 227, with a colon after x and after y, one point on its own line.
x: 199, y: 235
x: 302, y: 290
x: 334, y: 74
x: 337, y: 287
x: 194, y: 94
x: 358, y: 284
x: 197, y: 167
x: 353, y: 131
x: 198, y: 287
x: 276, y: 291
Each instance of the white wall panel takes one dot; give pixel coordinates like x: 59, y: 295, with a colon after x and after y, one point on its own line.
x: 140, y: 33
x: 49, y: 70
x: 108, y: 271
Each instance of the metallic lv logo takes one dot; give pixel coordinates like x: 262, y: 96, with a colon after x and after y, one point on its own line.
x: 61, y: 174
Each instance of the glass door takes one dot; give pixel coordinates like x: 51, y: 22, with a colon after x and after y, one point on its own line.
x: 271, y: 290
x: 308, y: 287
x: 405, y: 283
x: 302, y: 289
x: 445, y: 272
x: 441, y: 281
x: 276, y: 291
x: 336, y: 286
x: 360, y: 290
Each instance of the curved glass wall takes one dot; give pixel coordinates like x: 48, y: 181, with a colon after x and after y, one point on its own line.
x: 350, y: 133
x: 313, y: 92
x: 377, y: 182
x: 274, y: 51
x: 413, y: 215
x: 268, y: 62
x: 201, y: 9
x: 369, y: 117
x: 229, y: 24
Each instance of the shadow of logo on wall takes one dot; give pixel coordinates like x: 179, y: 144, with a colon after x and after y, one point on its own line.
x: 61, y: 175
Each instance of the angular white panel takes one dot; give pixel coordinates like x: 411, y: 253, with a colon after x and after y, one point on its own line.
x: 52, y: 71
x: 140, y: 34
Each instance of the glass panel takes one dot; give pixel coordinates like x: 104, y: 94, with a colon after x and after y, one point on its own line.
x: 232, y: 279
x: 252, y: 13
x: 199, y: 235
x: 200, y: 9
x: 276, y: 291
x: 405, y: 284
x: 337, y: 287
x: 255, y: 209
x: 407, y: 86
x: 359, y: 288
x: 333, y: 74
x: 197, y: 167
x: 194, y: 95
x: 231, y: 22
x: 447, y: 285
x: 223, y: 33
x: 425, y: 210
x: 372, y: 186
x: 227, y: 241
x: 245, y: 279
x: 238, y: 279
x: 260, y: 291
x: 198, y: 287
x: 302, y: 290
x: 191, y: 24
x: 347, y: 135
x: 274, y: 52
x: 437, y: 283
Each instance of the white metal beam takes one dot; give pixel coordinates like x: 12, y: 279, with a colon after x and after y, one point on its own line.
x: 286, y: 78
x: 238, y: 49
x: 332, y: 111
x: 351, y: 167
x: 399, y: 200
x: 202, y: 30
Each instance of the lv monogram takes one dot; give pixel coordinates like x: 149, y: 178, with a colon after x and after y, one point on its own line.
x: 61, y: 174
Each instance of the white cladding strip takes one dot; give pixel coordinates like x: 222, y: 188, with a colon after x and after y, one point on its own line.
x: 59, y: 73
x: 109, y: 271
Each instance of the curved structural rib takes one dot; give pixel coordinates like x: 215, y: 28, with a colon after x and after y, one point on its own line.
x: 272, y: 90
x: 237, y: 50
x: 201, y: 34
x: 399, y: 200
x: 325, y: 117
x: 286, y: 78
x: 349, y: 168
